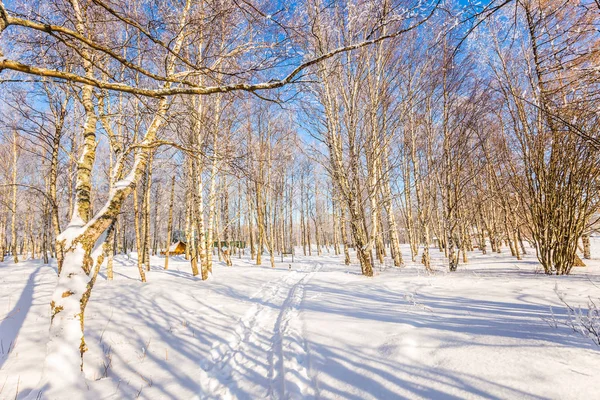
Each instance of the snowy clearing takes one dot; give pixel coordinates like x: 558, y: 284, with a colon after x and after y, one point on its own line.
x: 399, y: 141
x: 320, y: 330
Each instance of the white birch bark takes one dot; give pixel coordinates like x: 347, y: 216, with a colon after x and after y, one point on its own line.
x: 83, y: 254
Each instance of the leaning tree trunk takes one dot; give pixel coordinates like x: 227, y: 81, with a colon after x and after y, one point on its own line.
x: 83, y: 244
x: 83, y: 247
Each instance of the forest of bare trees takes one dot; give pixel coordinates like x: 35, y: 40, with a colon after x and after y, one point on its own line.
x: 263, y: 129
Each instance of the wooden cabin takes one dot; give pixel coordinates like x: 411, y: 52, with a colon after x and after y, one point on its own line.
x: 176, y: 248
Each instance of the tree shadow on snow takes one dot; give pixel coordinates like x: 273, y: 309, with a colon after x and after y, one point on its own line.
x: 388, y: 379
x: 448, y: 314
x: 11, y: 324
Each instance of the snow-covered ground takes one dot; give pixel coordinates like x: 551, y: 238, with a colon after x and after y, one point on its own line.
x: 320, y: 330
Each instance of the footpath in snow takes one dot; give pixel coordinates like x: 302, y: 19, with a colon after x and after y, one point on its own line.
x: 494, y: 329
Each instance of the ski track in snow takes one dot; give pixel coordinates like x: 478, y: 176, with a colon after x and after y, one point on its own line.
x: 291, y: 377
x: 271, y: 326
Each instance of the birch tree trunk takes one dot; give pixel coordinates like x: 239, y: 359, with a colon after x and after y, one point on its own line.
x: 199, y: 111
x: 249, y: 218
x: 170, y: 223
x: 200, y: 227
x: 194, y: 211
x: 334, y: 216
x: 307, y: 222
x: 316, y: 219
x: 302, y: 222
x: 71, y: 167
x: 587, y: 254
x: 387, y: 205
x: 52, y: 182
x: 260, y: 222
x: 138, y: 235
x: 344, y: 236
x: 422, y: 208
x: 156, y: 220
x: 110, y: 240
x: 83, y: 244
x: 13, y: 226
x: 3, y: 220
x: 146, y: 211
x: 270, y: 208
x: 190, y: 188
x: 410, y: 230
x: 212, y: 196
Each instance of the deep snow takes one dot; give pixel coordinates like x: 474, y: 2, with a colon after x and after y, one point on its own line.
x: 320, y: 330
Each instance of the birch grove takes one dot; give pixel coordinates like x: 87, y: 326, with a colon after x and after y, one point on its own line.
x: 251, y: 130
